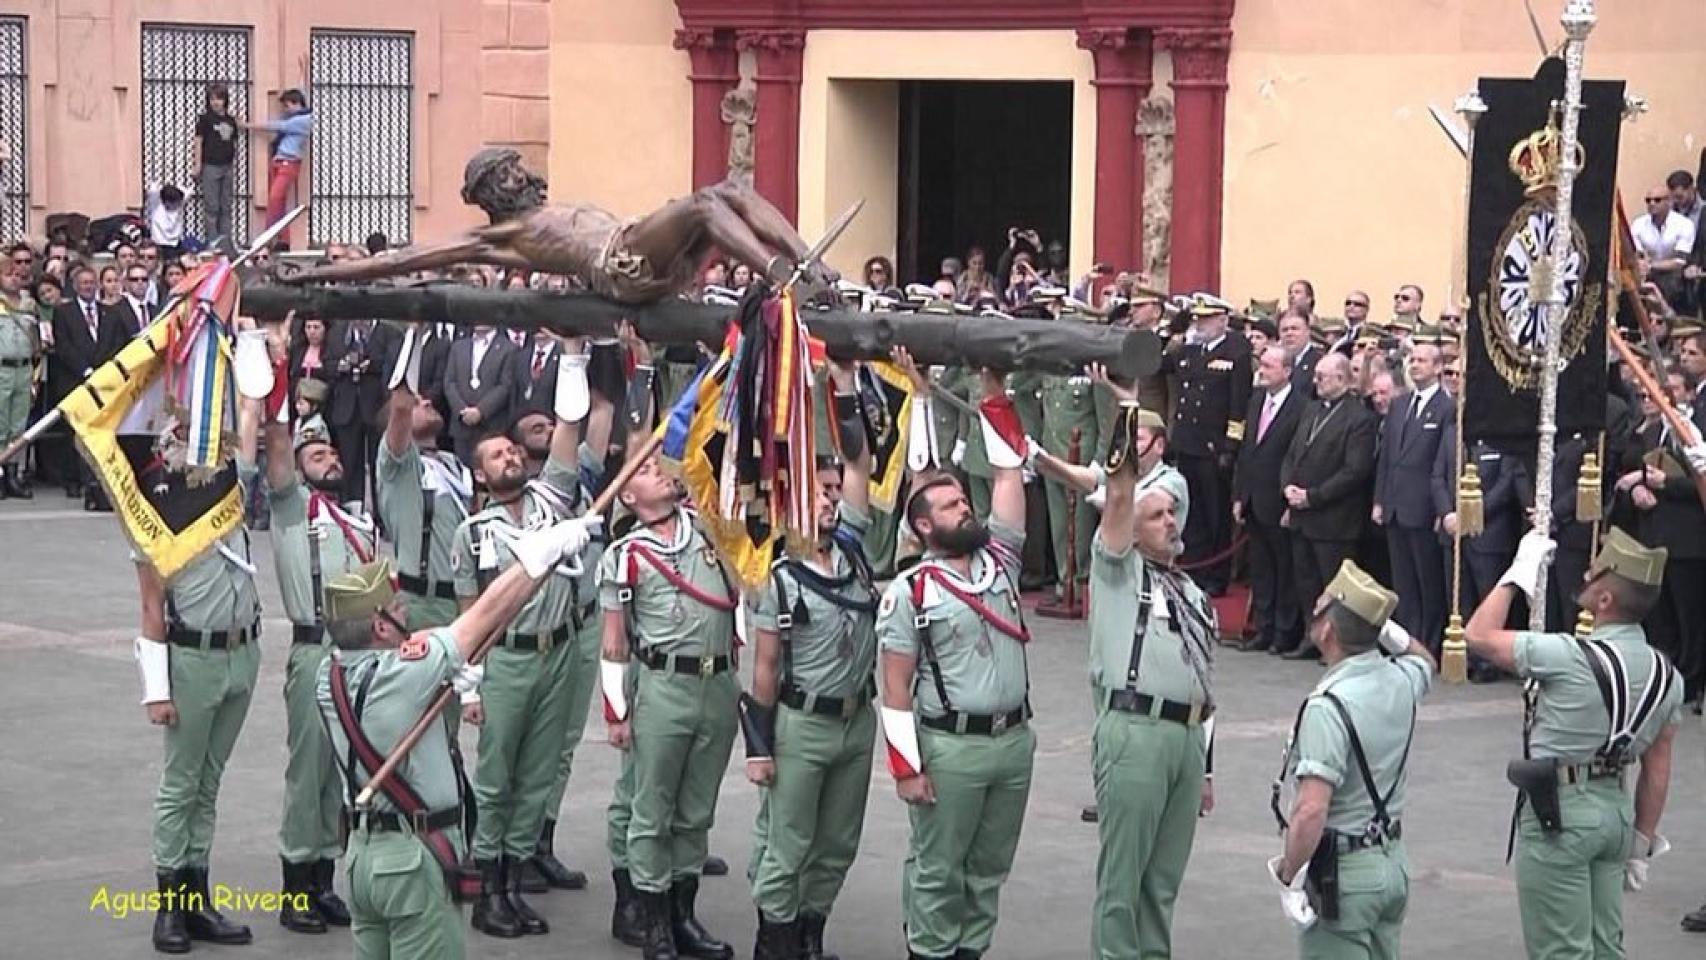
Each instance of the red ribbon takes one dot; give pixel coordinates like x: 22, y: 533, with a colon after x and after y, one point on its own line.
x: 317, y: 502
x: 1017, y: 632
x: 675, y: 579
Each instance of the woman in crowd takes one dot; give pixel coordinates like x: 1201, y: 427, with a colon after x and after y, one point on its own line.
x: 740, y: 276
x: 110, y: 289
x: 308, y: 352
x: 879, y: 276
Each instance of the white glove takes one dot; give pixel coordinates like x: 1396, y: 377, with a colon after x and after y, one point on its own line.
x: 1098, y: 497
x: 250, y: 365
x: 573, y: 399
x: 1635, y: 869
x: 959, y: 455
x: 1394, y: 639
x: 1533, y: 554
x: 467, y: 681
x: 539, y: 550
x: 154, y: 663
x: 1294, y: 901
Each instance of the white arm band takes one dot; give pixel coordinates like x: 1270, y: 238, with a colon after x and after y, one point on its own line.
x: 900, y: 732
x: 612, y: 681
x: 573, y: 399
x: 408, y: 366
x: 921, y: 435
x: 1001, y: 454
x: 154, y: 663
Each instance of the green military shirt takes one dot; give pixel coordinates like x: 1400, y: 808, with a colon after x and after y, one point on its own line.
x: 1381, y: 695
x: 833, y: 650
x: 1570, y: 719
x: 217, y: 590
x: 951, y: 424
x: 665, y: 619
x: 983, y: 669
x: 296, y: 539
x: 1068, y: 403
x: 480, y: 552
x: 18, y: 336
x: 398, y: 690
x: 405, y: 483
x: 1170, y: 666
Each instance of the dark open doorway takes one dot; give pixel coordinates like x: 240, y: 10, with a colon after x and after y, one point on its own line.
x: 976, y: 158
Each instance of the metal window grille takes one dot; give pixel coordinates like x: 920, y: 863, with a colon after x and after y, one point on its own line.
x: 359, y: 159
x: 14, y: 143
x: 178, y: 62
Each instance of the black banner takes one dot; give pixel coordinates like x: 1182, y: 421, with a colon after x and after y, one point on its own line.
x: 1511, y: 221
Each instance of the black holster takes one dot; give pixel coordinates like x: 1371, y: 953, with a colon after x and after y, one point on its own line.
x: 1538, y: 781
x: 1323, y: 882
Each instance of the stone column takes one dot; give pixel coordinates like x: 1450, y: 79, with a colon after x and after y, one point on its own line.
x: 1199, y: 105
x: 1123, y: 60
x: 780, y: 58
x: 714, y: 70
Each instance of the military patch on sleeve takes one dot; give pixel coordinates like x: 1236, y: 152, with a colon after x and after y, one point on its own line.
x: 413, y: 648
x: 888, y: 605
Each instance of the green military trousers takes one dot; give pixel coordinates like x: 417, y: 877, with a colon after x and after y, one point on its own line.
x: 211, y: 690
x: 684, y: 728
x: 1149, y: 777
x: 313, y: 790
x: 14, y: 402
x: 399, y: 905
x: 811, y: 816
x: 1570, y: 884
x: 1374, y: 890
x: 620, y: 813
x: 583, y: 677
x: 525, y: 698
x: 962, y: 845
x: 1066, y: 406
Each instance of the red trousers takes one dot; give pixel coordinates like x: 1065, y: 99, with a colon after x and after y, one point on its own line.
x: 284, y: 173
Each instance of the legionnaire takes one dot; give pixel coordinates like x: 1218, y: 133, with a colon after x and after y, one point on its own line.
x: 1068, y: 404
x: 20, y: 344
x: 1597, y: 706
x: 1214, y: 390
x: 1344, y: 875
x: 953, y: 642
x: 530, y: 671
x: 808, y: 723
x: 313, y: 538
x: 405, y: 846
x: 1152, y: 636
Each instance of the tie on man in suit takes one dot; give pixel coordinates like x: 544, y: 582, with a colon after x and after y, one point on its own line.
x: 478, y: 388
x: 1258, y: 505
x: 534, y: 374
x: 1325, y: 479
x: 1403, y: 496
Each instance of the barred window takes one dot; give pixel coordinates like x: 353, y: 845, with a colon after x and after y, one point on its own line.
x: 360, y: 156
x: 178, y: 62
x: 14, y: 129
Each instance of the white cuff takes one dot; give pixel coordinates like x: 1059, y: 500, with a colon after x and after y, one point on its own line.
x: 154, y: 663
x: 573, y: 399
x: 921, y: 435
x: 408, y: 367
x: 1001, y: 455
x: 900, y: 732
x: 467, y: 681
x: 612, y: 681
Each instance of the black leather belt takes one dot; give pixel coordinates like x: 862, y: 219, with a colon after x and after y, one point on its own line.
x: 843, y: 707
x: 307, y: 633
x: 443, y: 590
x: 1189, y: 714
x: 537, y: 641
x: 702, y: 666
x: 1574, y: 773
x: 982, y: 724
x: 211, y: 639
x: 1351, y: 844
x: 422, y: 822
x: 10, y: 362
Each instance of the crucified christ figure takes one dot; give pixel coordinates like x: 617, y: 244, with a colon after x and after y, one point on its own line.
x: 634, y: 261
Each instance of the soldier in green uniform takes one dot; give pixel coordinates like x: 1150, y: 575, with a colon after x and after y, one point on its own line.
x: 808, y: 722
x: 529, y: 673
x: 20, y: 343
x: 1344, y: 876
x: 405, y: 843
x: 313, y: 538
x: 952, y: 642
x: 1601, y: 704
x: 1152, y: 635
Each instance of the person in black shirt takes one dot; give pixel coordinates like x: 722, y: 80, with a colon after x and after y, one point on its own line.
x: 214, y: 152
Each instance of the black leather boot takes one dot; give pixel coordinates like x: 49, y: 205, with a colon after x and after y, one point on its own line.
x: 325, y: 898
x: 299, y: 914
x: 657, y: 942
x: 202, y: 921
x: 811, y: 937
x: 526, y: 917
x: 691, y: 937
x: 545, y: 862
x: 169, y: 933
x: 16, y: 485
x: 626, y: 924
x: 776, y: 940
x: 529, y: 877
x: 493, y: 915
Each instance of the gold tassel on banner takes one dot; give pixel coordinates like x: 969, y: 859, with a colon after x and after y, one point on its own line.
x: 1454, y: 664
x: 1470, y: 518
x: 1588, y: 489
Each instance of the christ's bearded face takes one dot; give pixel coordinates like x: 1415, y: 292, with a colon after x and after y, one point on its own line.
x: 510, y: 191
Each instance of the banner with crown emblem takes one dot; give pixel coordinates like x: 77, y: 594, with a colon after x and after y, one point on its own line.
x: 1512, y: 216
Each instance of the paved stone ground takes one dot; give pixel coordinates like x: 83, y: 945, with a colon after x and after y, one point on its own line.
x: 78, y: 766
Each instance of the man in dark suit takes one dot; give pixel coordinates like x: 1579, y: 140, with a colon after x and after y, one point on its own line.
x: 1403, y: 495
x: 1302, y: 351
x: 358, y: 361
x: 85, y: 335
x: 1257, y: 502
x: 1214, y: 390
x: 477, y: 387
x: 1326, y: 481
x: 1506, y: 493
x: 533, y: 374
x: 1356, y: 314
